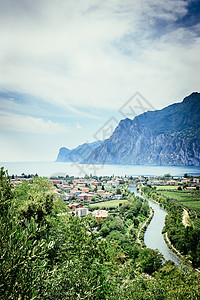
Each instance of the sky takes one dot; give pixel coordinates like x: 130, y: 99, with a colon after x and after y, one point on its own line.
x: 69, y: 69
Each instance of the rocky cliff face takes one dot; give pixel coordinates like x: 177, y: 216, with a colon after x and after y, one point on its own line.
x: 167, y: 137
x: 78, y: 154
x: 170, y: 136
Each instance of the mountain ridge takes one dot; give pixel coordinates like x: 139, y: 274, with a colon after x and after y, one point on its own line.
x: 170, y: 136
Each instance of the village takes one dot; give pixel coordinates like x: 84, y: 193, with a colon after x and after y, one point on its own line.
x: 80, y: 194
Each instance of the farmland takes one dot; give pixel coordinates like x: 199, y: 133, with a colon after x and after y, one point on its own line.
x: 190, y: 199
x: 111, y: 203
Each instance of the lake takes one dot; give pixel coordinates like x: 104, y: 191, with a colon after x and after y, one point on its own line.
x: 49, y: 169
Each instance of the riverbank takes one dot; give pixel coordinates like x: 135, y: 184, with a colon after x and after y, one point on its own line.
x: 141, y: 232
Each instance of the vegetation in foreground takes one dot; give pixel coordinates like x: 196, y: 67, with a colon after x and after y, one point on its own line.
x: 44, y: 256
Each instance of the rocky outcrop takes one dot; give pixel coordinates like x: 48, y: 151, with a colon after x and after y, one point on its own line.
x: 78, y: 154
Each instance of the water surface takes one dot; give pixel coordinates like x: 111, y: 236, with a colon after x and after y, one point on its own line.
x: 74, y: 169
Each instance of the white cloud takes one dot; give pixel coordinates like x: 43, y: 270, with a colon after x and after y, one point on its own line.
x: 21, y: 123
x: 74, y: 53
x: 78, y: 126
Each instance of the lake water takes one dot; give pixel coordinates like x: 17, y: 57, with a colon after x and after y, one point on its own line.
x: 153, y: 237
x: 74, y: 169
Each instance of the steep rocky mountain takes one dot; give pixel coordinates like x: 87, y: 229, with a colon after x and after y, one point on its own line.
x: 170, y: 136
x: 77, y: 154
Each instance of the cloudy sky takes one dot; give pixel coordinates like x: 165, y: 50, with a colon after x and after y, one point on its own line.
x: 67, y: 67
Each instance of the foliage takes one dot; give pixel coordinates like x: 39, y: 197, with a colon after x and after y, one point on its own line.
x: 62, y: 258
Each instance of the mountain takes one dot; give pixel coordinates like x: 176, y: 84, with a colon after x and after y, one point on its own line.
x: 170, y: 136
x: 78, y: 154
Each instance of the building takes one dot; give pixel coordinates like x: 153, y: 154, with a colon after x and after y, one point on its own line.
x: 107, y: 195
x: 75, y: 205
x: 85, y: 197
x: 81, y: 212
x: 118, y: 197
x: 100, y: 214
x: 196, y: 180
x: 85, y: 189
x: 66, y: 197
x: 100, y: 192
x: 172, y: 182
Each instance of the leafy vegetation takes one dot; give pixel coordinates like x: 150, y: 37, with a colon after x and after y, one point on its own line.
x: 184, y: 239
x: 44, y: 256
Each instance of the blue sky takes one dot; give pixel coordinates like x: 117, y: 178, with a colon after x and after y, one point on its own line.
x: 67, y: 67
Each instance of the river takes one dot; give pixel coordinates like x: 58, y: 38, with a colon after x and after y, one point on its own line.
x: 153, y: 237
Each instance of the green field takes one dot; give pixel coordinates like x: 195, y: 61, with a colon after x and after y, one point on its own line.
x: 191, y: 199
x: 166, y: 187
x: 111, y: 203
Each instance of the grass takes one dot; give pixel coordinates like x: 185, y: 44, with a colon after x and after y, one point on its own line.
x: 112, y: 203
x: 191, y: 199
x: 166, y: 187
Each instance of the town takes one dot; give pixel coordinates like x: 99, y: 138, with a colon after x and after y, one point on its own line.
x: 84, y: 195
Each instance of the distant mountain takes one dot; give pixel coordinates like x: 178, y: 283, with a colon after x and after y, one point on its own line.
x: 170, y: 136
x: 77, y: 154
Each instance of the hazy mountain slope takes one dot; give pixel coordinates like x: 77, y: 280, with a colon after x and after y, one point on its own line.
x: 78, y: 154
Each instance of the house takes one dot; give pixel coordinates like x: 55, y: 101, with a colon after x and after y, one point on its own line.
x: 85, y: 189
x: 185, y: 180
x: 66, y: 197
x: 75, y: 192
x: 107, y: 195
x: 81, y: 212
x: 55, y: 181
x: 100, y: 214
x: 100, y: 192
x: 118, y: 197
x: 75, y: 205
x: 172, y: 182
x: 196, y: 180
x: 85, y: 197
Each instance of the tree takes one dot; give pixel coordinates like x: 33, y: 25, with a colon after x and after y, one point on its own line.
x: 118, y: 192
x: 6, y: 194
x: 34, y: 200
x: 150, y: 260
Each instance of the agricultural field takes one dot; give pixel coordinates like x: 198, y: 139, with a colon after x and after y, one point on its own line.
x: 191, y: 199
x: 108, y: 204
x: 166, y: 187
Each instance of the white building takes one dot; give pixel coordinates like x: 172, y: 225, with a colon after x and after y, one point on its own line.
x: 118, y: 197
x: 81, y: 212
